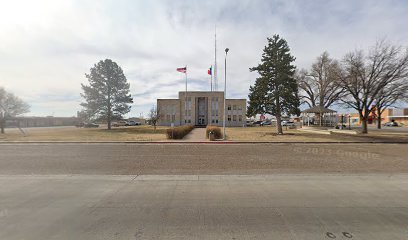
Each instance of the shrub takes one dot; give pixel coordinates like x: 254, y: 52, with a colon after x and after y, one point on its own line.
x: 178, y: 132
x: 216, y: 130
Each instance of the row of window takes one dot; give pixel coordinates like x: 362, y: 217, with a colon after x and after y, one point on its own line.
x: 187, y: 112
x: 235, y: 118
x: 234, y: 107
x: 173, y: 118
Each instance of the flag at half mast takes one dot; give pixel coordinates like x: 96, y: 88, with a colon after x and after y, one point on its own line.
x: 182, y: 69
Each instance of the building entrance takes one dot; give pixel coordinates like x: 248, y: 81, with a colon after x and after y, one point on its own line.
x: 201, y: 111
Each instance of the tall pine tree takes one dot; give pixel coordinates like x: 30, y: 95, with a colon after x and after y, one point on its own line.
x: 275, y: 91
x: 107, y: 97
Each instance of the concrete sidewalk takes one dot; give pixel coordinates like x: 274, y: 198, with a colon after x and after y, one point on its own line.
x: 197, y: 135
x: 190, y: 207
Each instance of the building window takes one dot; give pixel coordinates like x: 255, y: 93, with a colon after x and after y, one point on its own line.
x: 234, y: 118
x: 168, y: 118
x: 173, y: 118
x: 229, y: 118
x: 213, y: 121
x: 189, y: 120
x: 234, y: 107
x: 229, y: 107
x: 239, y: 107
x: 216, y: 120
x: 240, y: 118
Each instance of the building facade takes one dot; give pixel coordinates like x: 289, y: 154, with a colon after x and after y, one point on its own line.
x: 26, y: 122
x: 399, y: 115
x: 201, y: 108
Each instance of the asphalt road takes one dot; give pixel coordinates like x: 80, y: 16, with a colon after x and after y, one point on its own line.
x: 191, y: 191
x: 136, y: 159
x: 295, y: 207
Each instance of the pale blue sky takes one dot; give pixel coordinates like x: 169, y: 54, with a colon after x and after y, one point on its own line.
x: 47, y: 46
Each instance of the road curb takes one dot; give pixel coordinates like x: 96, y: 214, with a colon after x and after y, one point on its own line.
x: 186, y: 143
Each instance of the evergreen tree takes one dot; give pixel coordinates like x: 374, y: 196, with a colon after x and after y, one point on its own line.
x: 275, y: 91
x: 107, y: 96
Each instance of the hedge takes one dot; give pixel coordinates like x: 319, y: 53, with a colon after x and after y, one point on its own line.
x: 216, y: 130
x: 178, y: 132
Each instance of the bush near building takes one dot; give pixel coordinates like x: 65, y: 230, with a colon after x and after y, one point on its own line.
x: 179, y: 132
x: 216, y: 130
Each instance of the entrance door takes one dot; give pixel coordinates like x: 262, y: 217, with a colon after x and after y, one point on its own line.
x: 202, y: 111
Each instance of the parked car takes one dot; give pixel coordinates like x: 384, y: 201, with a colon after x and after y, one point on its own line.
x: 91, y: 125
x: 130, y: 123
x: 257, y: 123
x: 119, y: 124
x: 133, y: 123
x: 264, y: 123
x: 288, y: 124
x: 391, y: 124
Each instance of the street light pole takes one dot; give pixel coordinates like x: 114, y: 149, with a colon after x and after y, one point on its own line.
x: 225, y: 90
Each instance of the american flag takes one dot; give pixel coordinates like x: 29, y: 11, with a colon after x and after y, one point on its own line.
x: 182, y: 69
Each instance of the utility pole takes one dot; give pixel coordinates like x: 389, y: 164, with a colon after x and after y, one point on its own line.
x: 225, y: 90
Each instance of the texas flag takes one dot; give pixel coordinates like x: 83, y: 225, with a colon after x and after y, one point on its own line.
x: 210, y: 71
x: 182, y: 69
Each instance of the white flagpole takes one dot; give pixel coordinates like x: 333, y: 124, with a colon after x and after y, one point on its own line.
x: 211, y: 78
x: 215, y: 61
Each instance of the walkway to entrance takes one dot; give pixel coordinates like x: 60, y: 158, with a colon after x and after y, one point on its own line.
x: 197, y: 135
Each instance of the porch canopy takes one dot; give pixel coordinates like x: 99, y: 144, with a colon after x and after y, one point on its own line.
x: 319, y: 116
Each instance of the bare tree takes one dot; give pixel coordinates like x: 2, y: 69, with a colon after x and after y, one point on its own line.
x: 10, y: 106
x: 364, y: 77
x: 154, y: 116
x: 320, y: 87
x: 389, y: 96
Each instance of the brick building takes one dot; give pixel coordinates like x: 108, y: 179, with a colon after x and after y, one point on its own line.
x: 399, y: 115
x: 201, y: 108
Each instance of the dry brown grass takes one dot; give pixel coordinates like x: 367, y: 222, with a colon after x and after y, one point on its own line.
x: 268, y: 134
x: 134, y: 133
x: 146, y: 133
